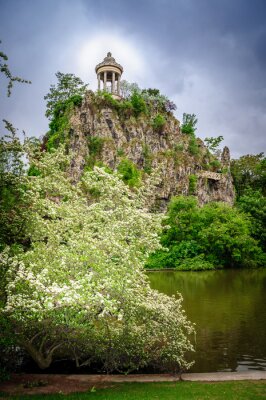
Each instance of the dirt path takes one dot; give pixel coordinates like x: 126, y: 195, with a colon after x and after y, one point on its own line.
x: 20, y: 384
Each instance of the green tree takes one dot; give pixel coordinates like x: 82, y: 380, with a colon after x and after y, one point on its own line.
x: 59, y: 125
x: 213, y: 143
x: 215, y: 233
x: 253, y: 203
x: 68, y: 85
x: 249, y: 171
x: 138, y: 103
x: 189, y: 124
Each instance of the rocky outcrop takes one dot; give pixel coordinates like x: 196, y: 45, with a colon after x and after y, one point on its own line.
x: 137, y: 140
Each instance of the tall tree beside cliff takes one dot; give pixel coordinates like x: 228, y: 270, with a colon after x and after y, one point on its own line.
x: 67, y: 86
x: 249, y: 172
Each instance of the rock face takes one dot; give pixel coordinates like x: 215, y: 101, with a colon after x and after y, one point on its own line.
x: 136, y: 139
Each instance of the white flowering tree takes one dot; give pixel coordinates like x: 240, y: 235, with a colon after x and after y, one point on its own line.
x: 80, y: 291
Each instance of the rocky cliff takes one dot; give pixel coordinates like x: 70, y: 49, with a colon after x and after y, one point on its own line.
x: 99, y: 134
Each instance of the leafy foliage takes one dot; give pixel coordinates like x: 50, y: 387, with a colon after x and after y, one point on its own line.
x: 124, y: 108
x: 147, y: 156
x: 152, y: 97
x: 213, y: 143
x: 157, y: 102
x: 68, y: 86
x: 189, y: 124
x: 59, y: 125
x: 193, y: 147
x: 249, y: 171
x: 192, y: 184
x: 215, y: 164
x: 138, y: 104
x: 33, y: 171
x: 253, y: 203
x: 214, y: 234
x: 95, y: 145
x: 158, y: 122
x: 129, y: 172
x: 189, y: 127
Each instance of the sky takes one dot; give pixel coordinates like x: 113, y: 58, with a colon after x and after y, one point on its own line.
x: 208, y: 56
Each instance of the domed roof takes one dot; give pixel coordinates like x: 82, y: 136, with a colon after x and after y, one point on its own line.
x: 109, y: 61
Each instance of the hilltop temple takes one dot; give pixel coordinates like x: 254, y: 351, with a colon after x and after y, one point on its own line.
x: 109, y: 75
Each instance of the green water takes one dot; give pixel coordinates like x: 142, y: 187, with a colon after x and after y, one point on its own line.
x: 229, y: 309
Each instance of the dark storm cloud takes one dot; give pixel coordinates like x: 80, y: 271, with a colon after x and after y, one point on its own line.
x: 208, y: 55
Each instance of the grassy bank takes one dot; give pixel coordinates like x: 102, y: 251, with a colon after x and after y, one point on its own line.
x: 240, y: 390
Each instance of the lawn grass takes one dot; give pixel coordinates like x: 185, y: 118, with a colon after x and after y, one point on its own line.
x: 240, y: 390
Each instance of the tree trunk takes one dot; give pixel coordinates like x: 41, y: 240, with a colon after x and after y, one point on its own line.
x: 41, y: 360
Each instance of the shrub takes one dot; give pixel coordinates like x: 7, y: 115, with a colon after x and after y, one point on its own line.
x: 215, y: 164
x: 33, y: 171
x: 189, y: 124
x: 192, y: 184
x: 157, y: 102
x: 193, y: 147
x: 109, y: 100
x: 188, y: 129
x: 158, y: 122
x: 178, y: 147
x: 147, y: 165
x: 95, y: 145
x: 59, y: 125
x: 197, y: 263
x: 126, y: 108
x: 129, y: 172
x: 205, y: 166
x: 138, y: 104
x: 120, y: 152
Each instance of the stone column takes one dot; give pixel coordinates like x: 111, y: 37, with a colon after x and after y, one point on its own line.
x: 99, y: 81
x: 113, y: 82
x: 104, y: 80
x: 118, y: 84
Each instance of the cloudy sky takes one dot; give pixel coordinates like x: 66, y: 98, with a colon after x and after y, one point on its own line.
x: 208, y: 56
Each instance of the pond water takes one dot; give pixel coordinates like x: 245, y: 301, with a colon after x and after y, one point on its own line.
x: 229, y: 309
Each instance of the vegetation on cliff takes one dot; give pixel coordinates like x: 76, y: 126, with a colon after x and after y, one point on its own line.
x: 150, y: 106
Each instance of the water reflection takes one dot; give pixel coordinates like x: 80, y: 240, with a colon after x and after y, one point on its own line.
x: 229, y: 310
